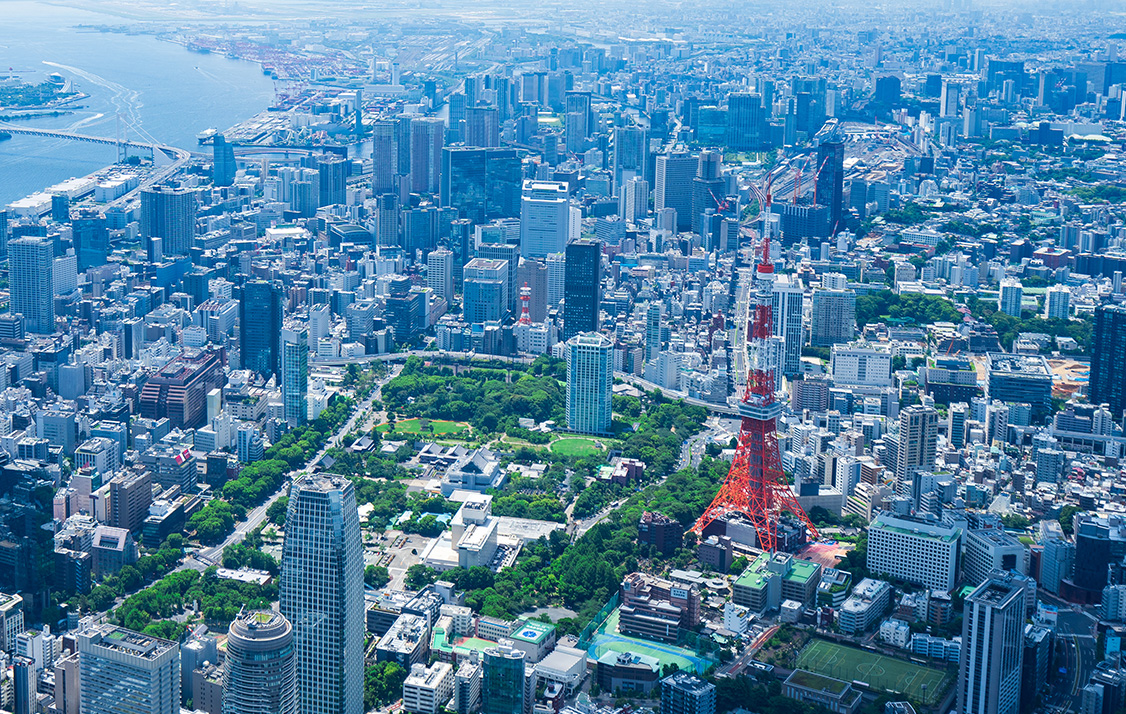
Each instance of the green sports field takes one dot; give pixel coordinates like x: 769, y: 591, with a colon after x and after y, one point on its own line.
x: 922, y: 684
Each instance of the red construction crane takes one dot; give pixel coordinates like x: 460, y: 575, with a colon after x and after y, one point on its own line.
x: 755, y: 485
x: 817, y: 176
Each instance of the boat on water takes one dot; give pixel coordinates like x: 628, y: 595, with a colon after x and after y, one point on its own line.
x: 206, y: 135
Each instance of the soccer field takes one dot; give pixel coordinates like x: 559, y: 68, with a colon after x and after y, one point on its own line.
x: 923, y: 684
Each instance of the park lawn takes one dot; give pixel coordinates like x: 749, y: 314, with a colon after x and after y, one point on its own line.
x: 437, y: 426
x: 889, y: 674
x: 571, y: 446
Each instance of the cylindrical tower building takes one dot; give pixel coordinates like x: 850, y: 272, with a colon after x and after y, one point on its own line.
x: 261, y: 669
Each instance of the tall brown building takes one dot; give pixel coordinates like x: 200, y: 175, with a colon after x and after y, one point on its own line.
x: 179, y: 390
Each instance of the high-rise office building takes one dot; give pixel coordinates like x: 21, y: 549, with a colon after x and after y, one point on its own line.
x: 322, y: 594
x: 672, y: 186
x: 590, y: 381
x: 502, y: 684
x: 948, y: 100
x: 708, y: 187
x: 427, y: 135
x: 482, y: 184
x: 1108, y: 358
x: 533, y: 275
x: 918, y: 441
x: 31, y: 282
x: 747, y: 129
x: 830, y: 181
x: 440, y: 273
x: 579, y: 104
x: 556, y: 278
x: 295, y: 372
x: 652, y: 331
x: 631, y: 154
x: 482, y: 126
x: 1011, y: 296
x: 989, y: 668
x: 834, y: 317
x: 91, y: 238
x: 169, y: 214
x: 223, y: 166
x: 485, y: 290
x: 685, y: 693
x: 510, y: 253
x: 582, y: 287
x: 634, y: 199
x: 787, y: 309
x: 260, y: 322
x: 545, y: 218
x: 383, y: 160
x: 387, y: 220
x: 126, y: 671
x: 260, y: 675
x: 333, y: 179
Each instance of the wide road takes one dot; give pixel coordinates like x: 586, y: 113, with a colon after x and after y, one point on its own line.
x: 206, y: 557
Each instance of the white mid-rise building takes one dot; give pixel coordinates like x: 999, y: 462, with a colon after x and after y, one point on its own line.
x: 426, y: 690
x: 914, y: 550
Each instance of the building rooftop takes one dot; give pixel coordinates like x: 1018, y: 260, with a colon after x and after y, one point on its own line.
x: 817, y: 682
x: 917, y: 528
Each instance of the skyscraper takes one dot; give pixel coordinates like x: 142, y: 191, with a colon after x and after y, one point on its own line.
x: 652, y: 331
x: 91, y: 238
x: 333, y: 183
x: 1108, y: 359
x: 511, y: 254
x: 261, y: 669
x: 631, y: 154
x: 582, y: 287
x: 502, y: 685
x: 545, y: 218
x: 672, y: 186
x: 383, y: 159
x: 590, y: 381
x: 260, y: 322
x: 223, y: 166
x: 482, y: 126
x: 556, y: 278
x: 533, y: 275
x: 485, y: 289
x: 322, y: 594
x: 126, y: 671
x: 387, y: 221
x: 482, y: 184
x: 440, y: 273
x: 834, y: 317
x: 746, y: 122
x: 426, y: 137
x: 295, y: 372
x: 787, y: 312
x: 31, y: 281
x: 169, y: 214
x: 708, y: 188
x: 989, y: 670
x: 918, y: 441
x: 830, y: 181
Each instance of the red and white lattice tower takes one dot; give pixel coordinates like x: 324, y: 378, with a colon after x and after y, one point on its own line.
x: 525, y: 298
x: 755, y: 486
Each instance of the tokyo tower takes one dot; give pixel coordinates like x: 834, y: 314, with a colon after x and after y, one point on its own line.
x: 755, y: 486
